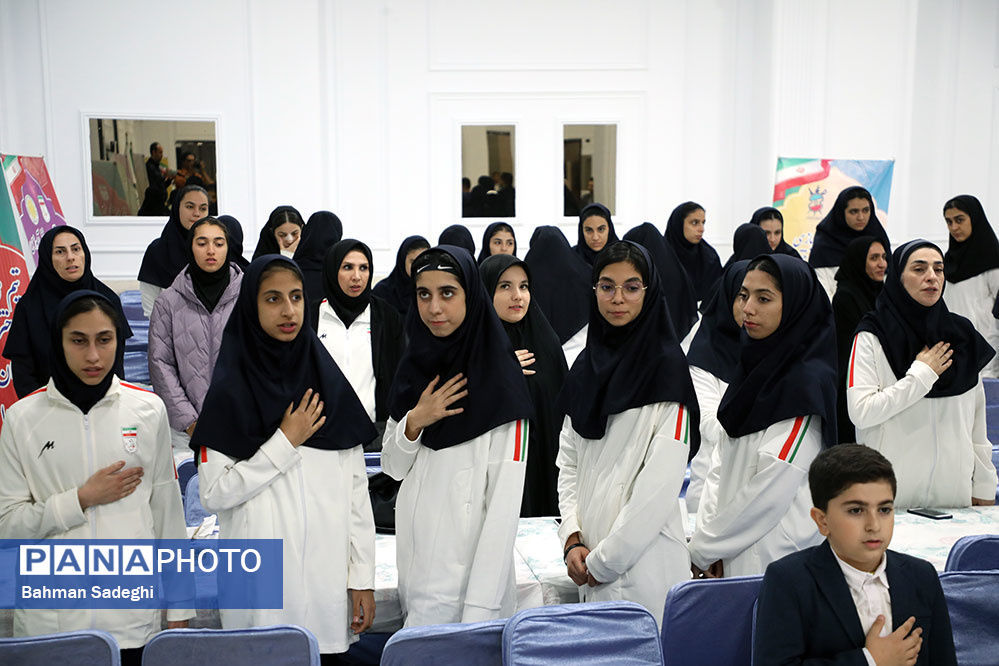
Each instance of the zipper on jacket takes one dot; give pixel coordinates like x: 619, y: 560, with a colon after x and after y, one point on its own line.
x: 90, y: 472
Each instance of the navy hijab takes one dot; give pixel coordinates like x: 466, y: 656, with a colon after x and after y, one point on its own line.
x: 397, y: 288
x: 235, y: 240
x: 561, y: 281
x: 715, y: 347
x: 256, y: 377
x: 581, y: 248
x: 749, y: 241
x: 904, y: 327
x: 624, y: 367
x: 84, y: 396
x: 166, y: 256
x: 792, y: 372
x: 681, y: 301
x: 479, y: 349
x: 700, y: 260
x: 979, y: 252
x: 487, y: 238
x: 833, y: 234
x: 771, y: 213
x: 458, y: 235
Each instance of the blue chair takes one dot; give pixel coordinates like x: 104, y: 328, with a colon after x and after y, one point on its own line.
x: 194, y: 512
x: 75, y: 647
x: 974, y: 614
x: 608, y: 632
x: 979, y: 552
x: 473, y: 644
x: 185, y: 471
x: 695, y: 610
x: 280, y: 645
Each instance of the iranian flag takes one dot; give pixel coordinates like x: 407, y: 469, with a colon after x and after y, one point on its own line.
x: 793, y: 172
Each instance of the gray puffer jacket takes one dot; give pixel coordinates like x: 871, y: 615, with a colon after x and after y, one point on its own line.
x: 184, y: 342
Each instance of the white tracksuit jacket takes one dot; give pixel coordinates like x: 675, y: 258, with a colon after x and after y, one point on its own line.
x: 938, y: 446
x: 621, y: 493
x: 973, y: 298
x: 456, y: 520
x: 48, y: 450
x: 755, y: 505
x: 317, y: 502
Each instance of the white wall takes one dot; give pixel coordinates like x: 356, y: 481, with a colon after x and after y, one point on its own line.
x: 357, y: 106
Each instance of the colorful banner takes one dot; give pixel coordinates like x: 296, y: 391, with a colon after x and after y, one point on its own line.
x: 805, y: 190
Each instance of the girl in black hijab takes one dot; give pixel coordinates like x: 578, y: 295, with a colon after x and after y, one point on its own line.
x: 680, y: 299
x: 594, y: 233
x: 684, y: 234
x: 458, y: 235
x: 498, y: 238
x: 165, y: 256
x: 748, y: 242
x: 282, y: 232
x: 235, y: 230
x: 561, y: 287
x: 858, y: 283
x: 63, y: 267
x: 914, y: 391
x: 631, y: 425
x: 278, y: 445
x: 778, y: 412
x: 458, y: 439
x: 852, y: 216
x: 972, y: 266
x: 361, y: 332
x: 322, y: 231
x: 397, y: 288
x: 507, y: 279
x: 772, y: 222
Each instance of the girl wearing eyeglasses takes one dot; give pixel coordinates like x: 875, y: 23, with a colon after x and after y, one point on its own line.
x: 631, y: 426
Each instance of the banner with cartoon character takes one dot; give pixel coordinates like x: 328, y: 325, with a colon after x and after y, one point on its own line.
x: 33, y: 200
x: 805, y: 190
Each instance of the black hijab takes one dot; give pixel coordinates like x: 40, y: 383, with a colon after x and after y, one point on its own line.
x: 166, y: 256
x: 561, y: 285
x: 479, y: 349
x: 979, y: 252
x: 235, y: 240
x: 534, y: 333
x: 771, y: 213
x: 347, y: 308
x: 833, y: 234
x: 268, y: 243
x: 581, y: 248
x: 72, y: 387
x: 792, y: 372
x: 715, y: 347
x: 700, y: 260
x: 322, y: 231
x: 748, y: 241
x: 256, y: 377
x: 904, y: 327
x: 680, y: 298
x: 487, y: 238
x: 851, y: 277
x: 397, y: 288
x: 624, y: 367
x: 34, y: 313
x: 208, y: 287
x: 459, y: 236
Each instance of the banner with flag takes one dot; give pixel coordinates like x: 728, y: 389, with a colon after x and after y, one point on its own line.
x: 805, y: 190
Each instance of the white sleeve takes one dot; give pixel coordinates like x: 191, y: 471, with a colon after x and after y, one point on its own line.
x: 398, y: 452
x: 651, y: 501
x: 492, y: 562
x: 709, y: 390
x: 709, y: 495
x: 782, y: 460
x: 149, y: 294
x: 983, y: 478
x: 226, y: 483
x: 868, y: 402
x: 361, y: 563
x: 22, y: 515
x: 568, y: 441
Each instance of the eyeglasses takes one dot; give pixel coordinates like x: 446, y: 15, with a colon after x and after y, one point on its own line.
x: 631, y: 291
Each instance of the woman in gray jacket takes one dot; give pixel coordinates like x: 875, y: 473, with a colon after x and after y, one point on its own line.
x: 185, y: 328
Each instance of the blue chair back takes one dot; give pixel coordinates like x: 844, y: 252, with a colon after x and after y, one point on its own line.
x: 974, y: 614
x: 91, y: 647
x: 280, y: 645
x: 474, y: 644
x: 608, y: 632
x: 194, y: 512
x: 979, y: 552
x: 185, y: 471
x: 693, y: 614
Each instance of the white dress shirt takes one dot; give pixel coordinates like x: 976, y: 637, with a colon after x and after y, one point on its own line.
x: 871, y: 597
